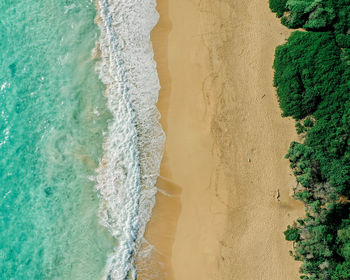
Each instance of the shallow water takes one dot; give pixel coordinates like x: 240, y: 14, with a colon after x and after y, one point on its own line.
x: 72, y: 159
x: 52, y: 118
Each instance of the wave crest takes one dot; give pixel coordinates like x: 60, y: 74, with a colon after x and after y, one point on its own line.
x: 133, y: 148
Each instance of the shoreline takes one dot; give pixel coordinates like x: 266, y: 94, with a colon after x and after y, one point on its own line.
x: 217, y: 216
x: 133, y: 148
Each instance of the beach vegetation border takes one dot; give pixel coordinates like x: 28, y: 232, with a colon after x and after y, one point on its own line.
x: 312, y: 77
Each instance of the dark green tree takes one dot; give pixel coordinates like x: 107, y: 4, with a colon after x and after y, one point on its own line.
x: 312, y: 77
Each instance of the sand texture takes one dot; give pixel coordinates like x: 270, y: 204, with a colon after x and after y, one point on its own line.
x: 225, y: 185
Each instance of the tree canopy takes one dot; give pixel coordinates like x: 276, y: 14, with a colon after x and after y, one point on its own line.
x: 312, y: 77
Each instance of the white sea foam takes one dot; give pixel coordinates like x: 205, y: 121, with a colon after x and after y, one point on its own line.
x: 3, y: 86
x: 68, y: 8
x: 134, y: 146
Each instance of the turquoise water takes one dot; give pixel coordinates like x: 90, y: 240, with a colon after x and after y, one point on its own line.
x: 52, y: 118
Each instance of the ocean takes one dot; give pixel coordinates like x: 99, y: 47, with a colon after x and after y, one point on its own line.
x: 80, y: 141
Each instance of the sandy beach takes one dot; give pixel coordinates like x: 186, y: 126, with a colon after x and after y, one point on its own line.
x: 224, y: 197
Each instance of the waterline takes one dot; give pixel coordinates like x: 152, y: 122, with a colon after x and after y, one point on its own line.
x: 134, y: 146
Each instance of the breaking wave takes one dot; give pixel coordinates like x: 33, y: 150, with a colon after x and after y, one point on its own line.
x: 133, y: 147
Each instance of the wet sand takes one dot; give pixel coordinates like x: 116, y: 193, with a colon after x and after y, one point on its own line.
x: 218, y: 214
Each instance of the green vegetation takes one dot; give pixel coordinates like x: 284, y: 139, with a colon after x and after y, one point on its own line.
x: 312, y: 77
x: 278, y: 6
x: 314, y: 15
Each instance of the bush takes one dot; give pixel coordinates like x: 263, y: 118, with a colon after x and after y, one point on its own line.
x: 278, y: 7
x: 307, y: 68
x: 312, y: 77
x: 292, y: 234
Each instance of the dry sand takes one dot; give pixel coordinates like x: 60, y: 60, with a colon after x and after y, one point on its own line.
x: 218, y: 216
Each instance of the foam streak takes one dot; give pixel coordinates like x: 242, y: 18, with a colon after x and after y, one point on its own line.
x: 134, y: 146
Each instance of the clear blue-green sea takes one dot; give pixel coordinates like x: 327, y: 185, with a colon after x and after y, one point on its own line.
x: 52, y: 119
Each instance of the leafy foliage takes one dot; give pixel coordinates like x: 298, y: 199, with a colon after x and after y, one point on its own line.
x: 292, y: 233
x: 307, y: 68
x: 312, y: 77
x: 278, y: 7
x: 322, y: 242
x: 313, y: 14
